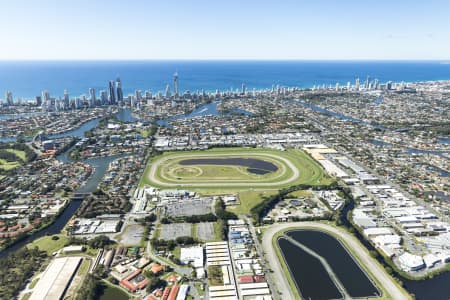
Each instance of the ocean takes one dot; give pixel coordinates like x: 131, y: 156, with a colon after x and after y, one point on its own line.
x: 28, y: 79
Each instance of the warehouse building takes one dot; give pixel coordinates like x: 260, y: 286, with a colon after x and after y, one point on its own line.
x: 56, y: 279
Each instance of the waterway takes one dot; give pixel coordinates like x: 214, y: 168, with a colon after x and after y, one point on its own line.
x: 354, y: 279
x: 100, y: 165
x: 209, y: 109
x: 336, y: 114
x: 310, y: 277
x: 54, y: 228
x: 124, y: 115
x: 18, y: 115
x: 379, y: 100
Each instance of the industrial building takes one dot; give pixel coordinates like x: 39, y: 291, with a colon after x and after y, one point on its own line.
x: 56, y: 279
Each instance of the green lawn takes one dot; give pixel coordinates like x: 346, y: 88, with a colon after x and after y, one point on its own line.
x: 172, y: 171
x: 234, y: 178
x: 6, y: 165
x: 84, y: 267
x: 217, y: 231
x: 19, y: 153
x: 46, y: 243
x: 177, y: 252
x: 301, y: 194
x: 26, y: 296
x: 253, y: 188
x: 249, y: 199
x: 33, y: 283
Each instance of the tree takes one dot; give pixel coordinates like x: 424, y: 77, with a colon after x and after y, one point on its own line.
x: 100, y: 242
x: 154, y: 283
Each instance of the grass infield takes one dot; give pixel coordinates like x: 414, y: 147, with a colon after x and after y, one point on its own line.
x: 294, y: 167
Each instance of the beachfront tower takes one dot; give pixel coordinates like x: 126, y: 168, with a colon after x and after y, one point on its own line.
x: 9, y: 98
x: 175, y: 84
x: 244, y: 89
x: 119, y: 90
x: 112, y: 94
x: 103, y: 97
x: 92, y: 98
x: 167, y: 94
x: 366, y: 84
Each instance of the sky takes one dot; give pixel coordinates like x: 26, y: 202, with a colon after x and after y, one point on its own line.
x: 219, y: 29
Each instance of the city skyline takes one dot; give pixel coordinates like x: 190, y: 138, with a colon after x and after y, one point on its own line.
x: 200, y: 30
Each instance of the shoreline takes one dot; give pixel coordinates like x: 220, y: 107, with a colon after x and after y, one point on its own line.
x: 262, y: 89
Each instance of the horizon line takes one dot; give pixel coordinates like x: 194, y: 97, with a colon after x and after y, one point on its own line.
x: 222, y: 59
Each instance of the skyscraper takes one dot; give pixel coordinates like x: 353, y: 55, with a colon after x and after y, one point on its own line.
x: 244, y: 89
x: 104, y: 97
x: 119, y: 90
x: 9, y: 98
x: 175, y: 84
x: 45, y: 96
x: 138, y: 95
x: 38, y: 101
x: 366, y: 84
x: 112, y: 94
x: 167, y: 94
x: 92, y: 98
x: 66, y: 98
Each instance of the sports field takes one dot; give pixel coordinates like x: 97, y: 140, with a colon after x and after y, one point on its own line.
x: 233, y: 169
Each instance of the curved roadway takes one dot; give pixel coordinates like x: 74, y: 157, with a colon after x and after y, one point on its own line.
x: 386, y: 281
x: 155, y: 165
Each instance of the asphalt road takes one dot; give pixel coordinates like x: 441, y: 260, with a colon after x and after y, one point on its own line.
x: 295, y: 176
x: 376, y: 270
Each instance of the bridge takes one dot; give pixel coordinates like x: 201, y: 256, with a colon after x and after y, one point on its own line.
x: 79, y: 196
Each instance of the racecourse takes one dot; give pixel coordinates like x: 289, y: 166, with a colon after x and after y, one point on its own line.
x: 376, y: 271
x: 293, y: 167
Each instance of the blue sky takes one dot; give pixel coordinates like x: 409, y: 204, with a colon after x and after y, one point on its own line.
x: 231, y: 29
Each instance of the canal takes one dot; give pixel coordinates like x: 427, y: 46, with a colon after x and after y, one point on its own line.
x: 209, y: 109
x: 100, y: 167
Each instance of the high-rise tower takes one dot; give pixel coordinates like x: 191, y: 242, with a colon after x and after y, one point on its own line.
x: 175, y: 84
x: 167, y: 93
x: 9, y: 98
x: 92, y: 98
x: 112, y: 94
x: 119, y: 90
x: 243, y: 89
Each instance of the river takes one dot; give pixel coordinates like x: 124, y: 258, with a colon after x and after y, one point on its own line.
x: 100, y: 165
x: 209, y: 109
x: 18, y: 115
x: 124, y: 115
x: 336, y: 114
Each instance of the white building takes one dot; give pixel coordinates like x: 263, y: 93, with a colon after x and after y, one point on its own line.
x: 410, y: 262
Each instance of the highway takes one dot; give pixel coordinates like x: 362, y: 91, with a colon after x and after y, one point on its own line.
x: 358, y: 250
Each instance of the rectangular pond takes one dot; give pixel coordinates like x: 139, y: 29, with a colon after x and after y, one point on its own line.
x: 311, y: 278
x: 354, y: 279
